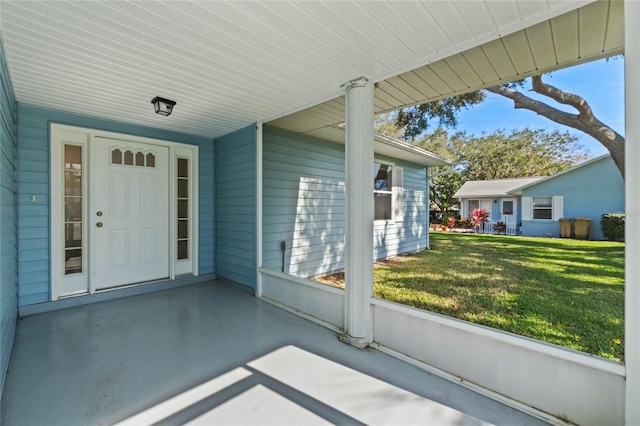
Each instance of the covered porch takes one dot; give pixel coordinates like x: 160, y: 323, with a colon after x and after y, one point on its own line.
x: 211, y: 353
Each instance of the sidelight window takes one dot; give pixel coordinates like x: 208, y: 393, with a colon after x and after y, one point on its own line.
x: 73, y: 180
x: 183, y: 209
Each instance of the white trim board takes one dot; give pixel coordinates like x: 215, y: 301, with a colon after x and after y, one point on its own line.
x: 80, y: 284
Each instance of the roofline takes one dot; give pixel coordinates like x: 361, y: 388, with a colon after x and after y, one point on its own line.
x: 419, y: 152
x: 497, y: 195
x: 503, y: 195
x: 570, y: 169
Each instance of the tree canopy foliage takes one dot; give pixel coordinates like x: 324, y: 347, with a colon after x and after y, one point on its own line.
x: 499, y: 155
x: 415, y: 120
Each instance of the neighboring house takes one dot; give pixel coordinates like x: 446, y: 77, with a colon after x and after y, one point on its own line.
x: 495, y: 197
x: 587, y: 190
x: 537, y: 204
x: 304, y: 200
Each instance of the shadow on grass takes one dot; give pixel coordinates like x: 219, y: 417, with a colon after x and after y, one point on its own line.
x: 564, y: 292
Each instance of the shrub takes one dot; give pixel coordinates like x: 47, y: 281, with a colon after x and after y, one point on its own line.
x: 500, y: 227
x: 612, y: 225
x: 478, y: 216
x: 446, y: 220
x: 451, y: 222
x: 464, y: 223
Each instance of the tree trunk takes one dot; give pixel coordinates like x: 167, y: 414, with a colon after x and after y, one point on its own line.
x: 584, y: 121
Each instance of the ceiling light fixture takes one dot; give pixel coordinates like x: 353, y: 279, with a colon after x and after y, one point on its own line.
x: 163, y: 106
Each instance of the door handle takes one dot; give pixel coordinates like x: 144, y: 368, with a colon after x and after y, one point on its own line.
x: 99, y: 224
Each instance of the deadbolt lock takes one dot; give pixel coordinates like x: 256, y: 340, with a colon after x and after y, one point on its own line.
x: 99, y: 214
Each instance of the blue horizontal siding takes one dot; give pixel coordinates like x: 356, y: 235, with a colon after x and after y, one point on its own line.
x: 588, y: 191
x: 235, y: 168
x: 304, y: 205
x: 33, y: 179
x: 8, y: 217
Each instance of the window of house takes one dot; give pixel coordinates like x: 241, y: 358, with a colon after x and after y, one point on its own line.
x: 542, y: 207
x: 473, y: 204
x: 383, y: 191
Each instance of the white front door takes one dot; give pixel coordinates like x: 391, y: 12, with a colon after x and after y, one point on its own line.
x: 128, y: 212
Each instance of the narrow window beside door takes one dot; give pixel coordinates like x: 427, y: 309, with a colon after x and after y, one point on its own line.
x: 183, y: 208
x: 72, y: 209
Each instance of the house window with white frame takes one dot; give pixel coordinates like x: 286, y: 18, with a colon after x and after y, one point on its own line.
x: 542, y: 208
x: 383, y: 191
x: 473, y: 204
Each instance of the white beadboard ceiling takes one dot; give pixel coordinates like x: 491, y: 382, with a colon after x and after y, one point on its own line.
x: 229, y: 64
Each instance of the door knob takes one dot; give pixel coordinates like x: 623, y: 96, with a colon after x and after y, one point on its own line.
x: 99, y: 224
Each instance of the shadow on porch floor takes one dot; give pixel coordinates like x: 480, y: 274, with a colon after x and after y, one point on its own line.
x: 210, y: 353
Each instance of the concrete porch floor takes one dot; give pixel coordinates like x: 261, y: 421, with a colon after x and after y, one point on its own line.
x: 210, y: 353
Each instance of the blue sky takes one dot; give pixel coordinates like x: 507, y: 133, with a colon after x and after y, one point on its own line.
x: 601, y: 83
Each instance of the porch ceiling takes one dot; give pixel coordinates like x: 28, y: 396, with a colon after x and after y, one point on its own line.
x: 228, y: 64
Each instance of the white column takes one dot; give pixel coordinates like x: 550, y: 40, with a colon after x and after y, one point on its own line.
x: 359, y: 211
x: 632, y: 206
x: 258, y: 291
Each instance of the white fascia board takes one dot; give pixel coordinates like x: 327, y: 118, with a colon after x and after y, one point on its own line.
x: 397, y: 149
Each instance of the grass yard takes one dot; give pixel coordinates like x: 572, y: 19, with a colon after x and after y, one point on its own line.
x: 566, y: 292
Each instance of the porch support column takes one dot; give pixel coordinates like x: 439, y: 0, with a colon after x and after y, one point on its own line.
x: 359, y: 211
x: 632, y: 203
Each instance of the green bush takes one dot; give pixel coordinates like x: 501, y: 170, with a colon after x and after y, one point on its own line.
x: 446, y: 219
x: 465, y: 223
x: 612, y: 225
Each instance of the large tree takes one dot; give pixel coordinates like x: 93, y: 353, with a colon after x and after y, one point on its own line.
x: 415, y: 120
x: 499, y: 155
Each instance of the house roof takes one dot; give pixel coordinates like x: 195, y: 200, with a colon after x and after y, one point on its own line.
x: 385, y: 145
x: 401, y: 150
x: 493, y: 188
x: 518, y: 190
x: 230, y: 64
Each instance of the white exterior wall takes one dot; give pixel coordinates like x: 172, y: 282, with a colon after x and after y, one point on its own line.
x: 566, y: 384
x: 632, y: 203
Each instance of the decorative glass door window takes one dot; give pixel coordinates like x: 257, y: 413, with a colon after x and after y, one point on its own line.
x: 183, y: 209
x: 73, y: 174
x: 132, y: 159
x: 507, y: 207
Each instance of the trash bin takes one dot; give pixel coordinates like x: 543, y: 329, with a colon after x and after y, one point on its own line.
x: 565, y: 228
x: 581, y: 227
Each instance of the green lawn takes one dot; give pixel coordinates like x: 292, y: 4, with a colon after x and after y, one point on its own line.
x: 566, y: 292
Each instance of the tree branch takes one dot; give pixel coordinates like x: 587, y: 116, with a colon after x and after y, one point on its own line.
x: 584, y: 121
x: 578, y: 102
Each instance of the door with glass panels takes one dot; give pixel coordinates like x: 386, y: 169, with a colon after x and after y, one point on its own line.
x: 128, y: 215
x: 508, y: 212
x: 123, y: 210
